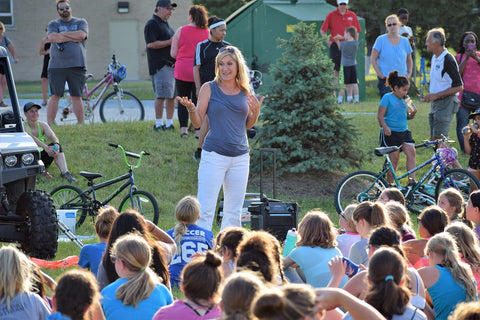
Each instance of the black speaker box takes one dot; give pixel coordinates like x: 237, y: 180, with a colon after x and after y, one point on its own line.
x: 274, y: 216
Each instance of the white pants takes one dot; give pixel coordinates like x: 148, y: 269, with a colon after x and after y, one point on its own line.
x: 216, y: 170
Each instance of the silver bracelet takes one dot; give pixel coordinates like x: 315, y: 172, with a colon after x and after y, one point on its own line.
x: 190, y: 111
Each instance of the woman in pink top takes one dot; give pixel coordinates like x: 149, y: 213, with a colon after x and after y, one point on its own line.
x: 184, y: 43
x: 468, y: 60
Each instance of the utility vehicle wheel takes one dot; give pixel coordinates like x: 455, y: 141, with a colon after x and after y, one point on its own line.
x: 42, y: 239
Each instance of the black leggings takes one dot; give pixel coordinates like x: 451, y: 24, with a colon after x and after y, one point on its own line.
x: 185, y: 89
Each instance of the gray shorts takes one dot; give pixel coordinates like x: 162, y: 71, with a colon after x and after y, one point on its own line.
x: 75, y: 77
x: 441, y: 115
x: 164, y: 83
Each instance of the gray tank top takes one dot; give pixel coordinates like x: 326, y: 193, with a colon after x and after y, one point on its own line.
x: 227, y: 115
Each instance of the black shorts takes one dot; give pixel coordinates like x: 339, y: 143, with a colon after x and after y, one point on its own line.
x: 350, y: 75
x: 46, y: 159
x: 335, y: 55
x: 396, y: 138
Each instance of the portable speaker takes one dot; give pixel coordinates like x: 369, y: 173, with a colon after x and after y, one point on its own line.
x: 274, y: 216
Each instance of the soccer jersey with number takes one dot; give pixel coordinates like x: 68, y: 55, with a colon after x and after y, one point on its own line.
x: 196, y: 239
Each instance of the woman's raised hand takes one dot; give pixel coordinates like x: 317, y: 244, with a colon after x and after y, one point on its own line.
x: 254, y: 104
x: 187, y: 102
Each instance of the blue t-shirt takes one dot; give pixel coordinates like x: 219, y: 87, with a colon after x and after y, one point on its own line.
x: 228, y: 117
x: 396, y: 114
x: 114, y: 309
x: 90, y: 256
x: 392, y: 57
x: 446, y: 293
x: 197, y: 239
x: 314, y: 263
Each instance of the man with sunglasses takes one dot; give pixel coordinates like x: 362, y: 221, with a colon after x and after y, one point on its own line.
x: 68, y: 60
x: 337, y: 21
x: 158, y: 37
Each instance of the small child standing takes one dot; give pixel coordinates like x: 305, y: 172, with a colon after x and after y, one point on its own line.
x: 349, y: 47
x: 91, y: 254
x: 189, y: 237
x: 471, y: 139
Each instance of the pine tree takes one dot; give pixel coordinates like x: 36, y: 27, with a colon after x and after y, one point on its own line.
x: 300, y: 116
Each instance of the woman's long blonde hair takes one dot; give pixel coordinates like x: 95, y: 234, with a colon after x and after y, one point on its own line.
x: 444, y: 245
x: 467, y: 242
x: 241, y: 79
x: 136, y: 255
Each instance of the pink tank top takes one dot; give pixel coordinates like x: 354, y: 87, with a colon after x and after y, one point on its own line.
x: 187, y: 43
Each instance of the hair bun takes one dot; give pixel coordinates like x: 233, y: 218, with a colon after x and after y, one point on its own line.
x: 212, y: 259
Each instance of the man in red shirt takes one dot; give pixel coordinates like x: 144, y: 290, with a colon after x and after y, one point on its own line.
x: 337, y: 21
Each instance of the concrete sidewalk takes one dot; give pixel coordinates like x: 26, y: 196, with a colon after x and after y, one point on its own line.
x: 148, y: 105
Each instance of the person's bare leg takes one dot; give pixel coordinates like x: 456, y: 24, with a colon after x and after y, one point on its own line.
x: 78, y: 109
x: 170, y: 106
x: 159, y: 108
x: 52, y: 108
x: 394, y: 157
x: 411, y: 158
x: 45, y: 91
x: 61, y: 162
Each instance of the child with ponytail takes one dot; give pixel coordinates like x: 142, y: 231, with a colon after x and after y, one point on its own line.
x: 387, y: 291
x: 138, y: 293
x: 189, y: 238
x: 451, y: 201
x: 393, y: 115
x: 448, y: 280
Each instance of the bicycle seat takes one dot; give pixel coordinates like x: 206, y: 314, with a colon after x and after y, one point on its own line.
x: 90, y: 175
x: 385, y: 150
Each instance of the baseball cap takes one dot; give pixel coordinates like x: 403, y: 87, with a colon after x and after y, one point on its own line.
x: 473, y: 114
x: 30, y: 105
x: 165, y: 3
x: 342, y: 1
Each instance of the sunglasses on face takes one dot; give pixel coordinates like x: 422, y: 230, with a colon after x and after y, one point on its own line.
x: 343, y: 4
x: 229, y: 50
x: 391, y: 24
x: 63, y: 8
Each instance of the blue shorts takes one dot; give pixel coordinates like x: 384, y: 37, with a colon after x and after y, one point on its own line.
x: 164, y: 83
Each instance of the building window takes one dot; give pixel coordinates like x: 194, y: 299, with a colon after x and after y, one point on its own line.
x: 6, y: 12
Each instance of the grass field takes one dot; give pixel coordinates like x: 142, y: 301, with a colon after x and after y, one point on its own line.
x: 171, y: 173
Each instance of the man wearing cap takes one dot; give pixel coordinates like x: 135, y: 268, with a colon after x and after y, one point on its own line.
x: 337, y: 21
x: 38, y: 130
x: 445, y: 83
x: 158, y: 37
x: 68, y: 60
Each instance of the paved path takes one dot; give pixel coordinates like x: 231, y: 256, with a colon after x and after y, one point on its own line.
x: 147, y: 104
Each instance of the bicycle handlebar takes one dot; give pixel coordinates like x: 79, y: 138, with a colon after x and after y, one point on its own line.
x: 429, y: 144
x: 130, y: 154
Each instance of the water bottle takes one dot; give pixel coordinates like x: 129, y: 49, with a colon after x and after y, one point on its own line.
x: 290, y: 242
x: 352, y: 268
x: 467, y: 130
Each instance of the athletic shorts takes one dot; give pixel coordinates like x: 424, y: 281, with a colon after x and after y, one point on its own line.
x: 335, y: 55
x: 164, y: 83
x: 396, y: 139
x: 74, y: 77
x: 441, y: 115
x: 350, y: 75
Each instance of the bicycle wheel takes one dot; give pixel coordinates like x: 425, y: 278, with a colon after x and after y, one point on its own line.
x: 358, y: 187
x: 70, y: 197
x: 121, y: 106
x: 460, y: 179
x: 144, y: 203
